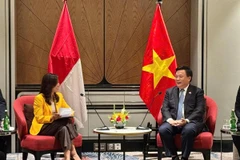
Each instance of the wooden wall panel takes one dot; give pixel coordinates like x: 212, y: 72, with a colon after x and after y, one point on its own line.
x: 34, y: 38
x: 36, y: 26
x: 171, y: 7
x: 178, y: 24
x: 125, y: 45
x: 87, y: 19
x: 111, y: 35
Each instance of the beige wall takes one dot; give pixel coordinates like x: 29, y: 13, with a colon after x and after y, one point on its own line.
x: 7, y: 84
x: 223, y: 55
x: 196, y: 42
x: 3, y: 45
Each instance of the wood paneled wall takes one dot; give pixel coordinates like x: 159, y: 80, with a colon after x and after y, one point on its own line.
x: 111, y: 35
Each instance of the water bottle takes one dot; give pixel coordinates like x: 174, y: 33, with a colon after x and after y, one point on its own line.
x: 6, y: 122
x: 233, y: 126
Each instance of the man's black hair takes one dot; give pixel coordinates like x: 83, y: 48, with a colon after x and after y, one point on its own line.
x: 188, y: 71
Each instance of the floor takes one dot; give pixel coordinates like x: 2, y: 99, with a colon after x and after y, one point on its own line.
x: 136, y: 155
x: 193, y: 156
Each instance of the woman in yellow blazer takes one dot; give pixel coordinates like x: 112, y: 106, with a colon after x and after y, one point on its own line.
x: 47, y: 120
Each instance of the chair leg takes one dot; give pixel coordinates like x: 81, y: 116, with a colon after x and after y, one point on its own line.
x: 53, y: 155
x: 37, y: 156
x: 79, y: 151
x: 160, y: 150
x: 145, y: 145
x: 25, y: 155
x: 206, y: 154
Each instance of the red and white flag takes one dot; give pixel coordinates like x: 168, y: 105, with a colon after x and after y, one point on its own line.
x: 159, y: 65
x: 64, y: 60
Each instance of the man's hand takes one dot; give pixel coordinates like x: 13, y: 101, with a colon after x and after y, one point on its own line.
x: 182, y: 122
x: 173, y: 122
x: 178, y: 123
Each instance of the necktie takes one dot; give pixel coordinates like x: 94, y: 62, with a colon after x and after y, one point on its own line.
x: 180, y: 104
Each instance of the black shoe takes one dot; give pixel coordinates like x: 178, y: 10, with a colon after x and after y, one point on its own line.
x: 184, y: 158
x: 175, y: 158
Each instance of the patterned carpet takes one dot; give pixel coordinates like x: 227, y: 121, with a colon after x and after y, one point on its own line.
x: 119, y: 156
x: 193, y: 156
x: 86, y: 156
x: 108, y: 156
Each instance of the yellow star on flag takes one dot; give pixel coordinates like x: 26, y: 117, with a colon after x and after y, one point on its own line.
x: 159, y: 68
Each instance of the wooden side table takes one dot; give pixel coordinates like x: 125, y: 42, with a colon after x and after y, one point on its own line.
x: 5, y: 139
x: 227, y: 131
x: 7, y: 133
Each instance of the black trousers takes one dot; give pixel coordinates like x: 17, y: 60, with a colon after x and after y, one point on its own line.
x: 188, y: 133
x: 2, y: 156
x: 236, y: 141
x: 3, y: 148
x: 64, y: 131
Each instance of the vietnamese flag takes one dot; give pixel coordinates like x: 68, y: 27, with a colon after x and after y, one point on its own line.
x: 159, y: 64
x: 64, y: 60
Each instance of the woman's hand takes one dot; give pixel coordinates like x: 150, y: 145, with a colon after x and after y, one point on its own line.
x: 55, y: 116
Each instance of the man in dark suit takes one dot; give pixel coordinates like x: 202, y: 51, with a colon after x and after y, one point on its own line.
x: 2, y: 114
x: 236, y: 139
x: 2, y: 106
x: 183, y: 113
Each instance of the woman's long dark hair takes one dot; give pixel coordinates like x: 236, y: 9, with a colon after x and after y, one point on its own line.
x: 49, y: 81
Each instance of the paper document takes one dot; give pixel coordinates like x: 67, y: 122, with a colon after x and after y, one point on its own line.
x: 65, y: 112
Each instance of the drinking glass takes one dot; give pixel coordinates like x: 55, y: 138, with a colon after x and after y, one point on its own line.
x: 226, y: 124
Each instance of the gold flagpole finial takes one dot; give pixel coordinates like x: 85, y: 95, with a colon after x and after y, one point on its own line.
x: 159, y: 2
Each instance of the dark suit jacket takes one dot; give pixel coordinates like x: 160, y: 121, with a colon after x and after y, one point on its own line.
x: 2, y: 114
x: 237, y: 108
x: 2, y: 106
x: 194, y: 104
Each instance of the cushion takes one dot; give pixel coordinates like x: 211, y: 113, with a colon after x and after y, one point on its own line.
x: 203, y: 141
x: 38, y: 143
x: 28, y: 112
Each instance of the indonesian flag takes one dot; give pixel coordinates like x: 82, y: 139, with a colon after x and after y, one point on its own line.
x: 159, y: 64
x: 64, y: 60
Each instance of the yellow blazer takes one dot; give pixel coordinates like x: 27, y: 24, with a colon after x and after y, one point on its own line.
x: 43, y: 112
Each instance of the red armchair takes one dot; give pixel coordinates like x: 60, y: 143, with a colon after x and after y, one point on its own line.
x: 204, y: 141
x: 37, y: 145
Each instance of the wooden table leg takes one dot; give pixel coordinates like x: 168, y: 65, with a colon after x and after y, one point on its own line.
x: 123, y: 147
x: 99, y: 147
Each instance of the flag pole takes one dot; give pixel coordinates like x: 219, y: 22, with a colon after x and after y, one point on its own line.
x: 160, y: 2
